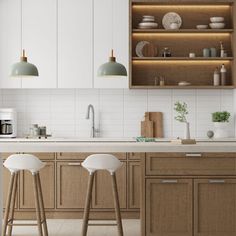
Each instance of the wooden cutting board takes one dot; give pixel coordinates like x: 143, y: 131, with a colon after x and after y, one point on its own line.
x: 154, y: 121
x: 147, y: 127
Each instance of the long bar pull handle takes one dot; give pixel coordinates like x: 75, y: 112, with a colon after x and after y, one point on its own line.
x: 74, y: 164
x: 169, y: 181
x: 216, y: 181
x: 193, y: 155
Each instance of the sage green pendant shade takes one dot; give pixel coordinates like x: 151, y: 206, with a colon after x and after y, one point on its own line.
x: 112, y: 68
x: 23, y: 68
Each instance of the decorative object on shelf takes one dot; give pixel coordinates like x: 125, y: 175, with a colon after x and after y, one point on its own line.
x: 152, y: 126
x: 171, y: 19
x: 206, y: 52
x: 166, y: 52
x: 213, y: 52
x: 217, y: 19
x: 222, y: 49
x: 146, y: 49
x: 221, y: 121
x: 216, y: 77
x: 217, y: 25
x: 192, y: 55
x: 201, y: 27
x: 210, y: 134
x: 184, y: 83
x: 162, y: 81
x: 148, y: 22
x: 182, y: 111
x: 156, y: 81
x: 223, y: 72
x: 24, y: 68
x: 112, y: 68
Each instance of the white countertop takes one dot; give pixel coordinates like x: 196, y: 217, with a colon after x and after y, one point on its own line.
x: 112, y: 145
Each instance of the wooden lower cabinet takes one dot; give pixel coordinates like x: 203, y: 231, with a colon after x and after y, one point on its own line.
x: 72, y: 180
x: 102, y: 192
x: 27, y: 187
x: 215, y: 207
x: 168, y: 207
x: 134, y: 188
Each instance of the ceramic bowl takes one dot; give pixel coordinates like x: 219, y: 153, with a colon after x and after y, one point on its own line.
x: 148, y: 25
x: 217, y: 25
x: 201, y: 26
x: 217, y: 19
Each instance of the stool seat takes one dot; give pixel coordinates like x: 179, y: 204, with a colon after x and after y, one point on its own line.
x: 101, y: 162
x: 17, y: 162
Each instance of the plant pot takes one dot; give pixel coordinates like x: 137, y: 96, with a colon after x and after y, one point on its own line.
x: 221, y: 130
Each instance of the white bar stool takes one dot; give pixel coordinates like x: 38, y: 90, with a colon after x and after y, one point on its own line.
x: 101, y: 162
x: 14, y: 164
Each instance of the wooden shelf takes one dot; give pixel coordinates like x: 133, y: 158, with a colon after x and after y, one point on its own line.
x: 182, y: 87
x: 183, y: 58
x: 182, y: 31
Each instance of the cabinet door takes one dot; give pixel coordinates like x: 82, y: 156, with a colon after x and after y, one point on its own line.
x: 10, y: 41
x: 47, y: 182
x: 39, y: 39
x: 134, y: 182
x: 111, y: 30
x: 215, y: 207
x: 72, y: 181
x: 169, y: 207
x: 102, y: 192
x: 75, y: 44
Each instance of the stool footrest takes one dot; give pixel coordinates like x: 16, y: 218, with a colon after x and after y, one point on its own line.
x: 102, y: 224
x: 24, y: 224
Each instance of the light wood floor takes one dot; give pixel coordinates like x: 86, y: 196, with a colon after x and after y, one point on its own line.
x: 73, y: 228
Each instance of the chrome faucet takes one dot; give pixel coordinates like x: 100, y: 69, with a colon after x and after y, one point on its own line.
x: 91, y: 108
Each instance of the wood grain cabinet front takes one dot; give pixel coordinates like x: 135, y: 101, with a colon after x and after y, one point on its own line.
x: 214, y: 207
x: 72, y: 180
x: 26, y: 187
x: 168, y: 207
x: 102, y: 192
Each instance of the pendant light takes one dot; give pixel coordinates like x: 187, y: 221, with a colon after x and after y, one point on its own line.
x: 112, y: 68
x: 24, y: 68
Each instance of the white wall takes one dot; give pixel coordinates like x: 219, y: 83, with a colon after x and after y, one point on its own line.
x: 118, y: 111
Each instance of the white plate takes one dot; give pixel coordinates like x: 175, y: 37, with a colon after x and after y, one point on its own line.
x: 139, y: 48
x: 201, y: 26
x: 217, y: 25
x: 148, y: 24
x: 217, y: 19
x: 171, y: 17
x: 184, y: 83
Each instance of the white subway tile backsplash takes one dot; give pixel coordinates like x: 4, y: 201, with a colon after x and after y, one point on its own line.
x: 118, y: 112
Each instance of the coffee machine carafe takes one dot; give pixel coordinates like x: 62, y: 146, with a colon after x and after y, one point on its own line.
x: 8, y: 123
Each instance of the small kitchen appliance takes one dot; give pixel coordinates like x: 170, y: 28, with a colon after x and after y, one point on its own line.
x: 8, y: 123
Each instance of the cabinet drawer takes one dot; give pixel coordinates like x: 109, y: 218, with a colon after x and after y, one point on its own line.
x: 135, y: 155
x: 5, y: 155
x: 191, y: 164
x: 44, y: 155
x: 83, y: 155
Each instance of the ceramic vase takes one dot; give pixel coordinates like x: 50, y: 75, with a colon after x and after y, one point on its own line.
x: 187, y: 131
x: 221, y: 130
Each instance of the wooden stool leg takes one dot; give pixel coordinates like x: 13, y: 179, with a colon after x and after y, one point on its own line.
x: 8, y: 203
x: 12, y: 206
x: 87, y: 205
x: 41, y: 203
x: 117, y: 205
x: 38, y: 214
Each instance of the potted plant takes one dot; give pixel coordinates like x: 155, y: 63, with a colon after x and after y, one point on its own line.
x: 181, y: 110
x: 221, y: 120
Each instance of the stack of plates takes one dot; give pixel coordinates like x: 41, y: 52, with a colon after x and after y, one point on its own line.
x: 148, y: 22
x: 217, y: 22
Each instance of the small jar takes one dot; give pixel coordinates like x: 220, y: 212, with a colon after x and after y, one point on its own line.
x: 162, y: 81
x: 35, y: 130
x: 216, y: 77
x: 166, y: 52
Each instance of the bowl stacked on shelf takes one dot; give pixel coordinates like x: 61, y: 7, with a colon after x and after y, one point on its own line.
x: 217, y: 22
x: 148, y: 22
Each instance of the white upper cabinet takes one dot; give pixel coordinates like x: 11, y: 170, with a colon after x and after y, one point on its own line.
x: 111, y: 30
x: 75, y: 43
x: 10, y: 41
x: 39, y: 39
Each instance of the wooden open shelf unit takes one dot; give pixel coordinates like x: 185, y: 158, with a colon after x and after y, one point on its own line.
x: 199, y: 70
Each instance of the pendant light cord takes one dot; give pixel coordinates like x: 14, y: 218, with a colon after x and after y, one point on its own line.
x: 112, y: 25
